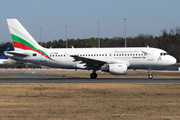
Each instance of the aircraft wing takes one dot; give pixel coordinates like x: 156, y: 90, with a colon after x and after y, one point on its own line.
x: 89, y: 61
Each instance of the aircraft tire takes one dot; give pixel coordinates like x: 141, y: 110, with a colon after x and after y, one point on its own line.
x: 93, y: 75
x: 150, y: 76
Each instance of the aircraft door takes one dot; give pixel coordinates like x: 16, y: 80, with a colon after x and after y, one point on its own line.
x: 42, y: 58
x: 150, y: 55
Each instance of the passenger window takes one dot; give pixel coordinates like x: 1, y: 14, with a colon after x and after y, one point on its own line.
x: 34, y: 54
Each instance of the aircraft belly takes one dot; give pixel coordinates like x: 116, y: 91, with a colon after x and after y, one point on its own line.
x: 140, y: 63
x: 59, y: 64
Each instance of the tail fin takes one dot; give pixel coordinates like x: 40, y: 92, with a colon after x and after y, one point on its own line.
x: 21, y: 39
x: 2, y: 55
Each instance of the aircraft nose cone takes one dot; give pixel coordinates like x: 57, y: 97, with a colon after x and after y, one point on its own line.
x: 173, y: 60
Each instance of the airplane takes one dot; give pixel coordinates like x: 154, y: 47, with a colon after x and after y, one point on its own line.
x: 113, y: 60
x: 2, y: 57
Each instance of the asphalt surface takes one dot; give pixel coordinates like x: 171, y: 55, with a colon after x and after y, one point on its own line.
x: 20, y: 77
x: 87, y: 80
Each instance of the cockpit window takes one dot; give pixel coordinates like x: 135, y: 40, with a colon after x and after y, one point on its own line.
x: 163, y: 54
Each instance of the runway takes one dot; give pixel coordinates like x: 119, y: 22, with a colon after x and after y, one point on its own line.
x: 56, y: 79
x: 20, y: 77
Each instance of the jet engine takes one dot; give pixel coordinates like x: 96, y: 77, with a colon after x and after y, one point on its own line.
x: 116, y: 68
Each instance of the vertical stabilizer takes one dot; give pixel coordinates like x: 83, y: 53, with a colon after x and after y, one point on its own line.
x: 21, y: 39
x: 2, y: 55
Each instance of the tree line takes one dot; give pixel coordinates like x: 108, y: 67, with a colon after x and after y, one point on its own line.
x: 168, y: 41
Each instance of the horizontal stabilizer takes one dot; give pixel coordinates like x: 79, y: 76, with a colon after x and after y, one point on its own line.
x: 16, y: 54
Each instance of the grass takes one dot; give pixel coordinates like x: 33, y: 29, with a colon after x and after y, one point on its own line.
x: 89, y: 101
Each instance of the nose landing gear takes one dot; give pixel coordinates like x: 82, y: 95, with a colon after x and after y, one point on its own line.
x: 150, y: 75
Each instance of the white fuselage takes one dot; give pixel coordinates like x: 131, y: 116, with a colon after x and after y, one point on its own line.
x: 136, y: 57
x: 3, y: 60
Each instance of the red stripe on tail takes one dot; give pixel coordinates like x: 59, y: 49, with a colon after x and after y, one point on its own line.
x: 25, y: 47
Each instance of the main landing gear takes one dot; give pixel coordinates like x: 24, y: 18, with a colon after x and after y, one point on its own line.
x: 150, y: 75
x: 93, y: 75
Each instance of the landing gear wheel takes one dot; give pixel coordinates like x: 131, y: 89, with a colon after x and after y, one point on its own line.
x: 93, y: 75
x: 150, y: 76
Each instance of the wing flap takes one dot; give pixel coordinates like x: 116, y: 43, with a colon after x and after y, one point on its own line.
x: 89, y: 61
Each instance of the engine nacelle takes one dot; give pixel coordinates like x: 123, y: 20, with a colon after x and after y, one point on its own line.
x: 118, y: 69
